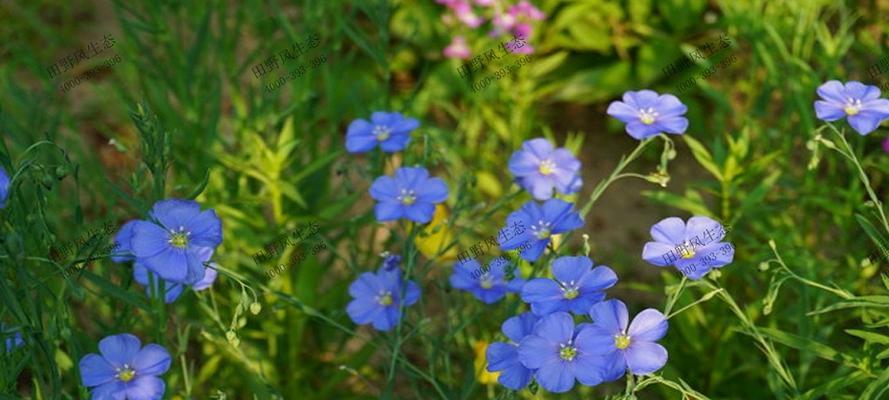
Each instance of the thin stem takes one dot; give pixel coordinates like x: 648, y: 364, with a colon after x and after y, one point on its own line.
x: 870, y: 191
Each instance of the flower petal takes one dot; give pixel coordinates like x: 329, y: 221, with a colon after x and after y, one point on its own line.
x: 623, y: 111
x: 153, y: 359
x: 95, y: 370
x: 567, y: 269
x: 649, y: 325
x: 516, y: 328
x: 535, y: 351
x: 611, y: 316
x: 557, y: 327
x: 829, y: 111
x: 658, y: 253
x: 645, y: 357
x: 359, y: 137
x: 120, y: 349
x: 175, y: 213
x: 555, y: 377
x: 145, y: 387
x: 669, y: 231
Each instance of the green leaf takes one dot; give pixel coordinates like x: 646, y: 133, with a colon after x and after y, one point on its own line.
x: 116, y: 291
x: 869, y: 337
x: 200, y: 187
x: 875, y: 235
x: 703, y: 156
x: 805, y: 344
x: 875, y: 390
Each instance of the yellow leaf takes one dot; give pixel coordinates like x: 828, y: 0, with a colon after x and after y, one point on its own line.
x: 481, y: 364
x: 489, y: 184
x: 436, y: 236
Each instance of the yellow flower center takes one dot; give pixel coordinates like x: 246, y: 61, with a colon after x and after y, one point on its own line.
x: 568, y: 353
x: 543, y: 234
x: 486, y: 282
x: 547, y: 167
x: 687, y: 250
x: 647, y: 116
x: 381, y: 132
x: 407, y: 197
x: 126, y: 374
x: 622, y: 341
x: 179, y: 240
x: 385, y: 299
x: 853, y: 106
x: 571, y: 293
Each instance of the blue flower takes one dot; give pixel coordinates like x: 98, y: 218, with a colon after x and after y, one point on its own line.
x: 392, y: 131
x: 634, y: 348
x: 697, y: 246
x: 539, y: 169
x: 13, y: 338
x: 4, y: 187
x: 561, y: 354
x: 172, y: 246
x: 647, y: 114
x: 377, y: 298
x: 859, y: 103
x: 488, y: 285
x: 532, y: 226
x: 575, y: 288
x: 411, y: 194
x: 391, y: 262
x: 504, y: 357
x: 122, y: 251
x: 125, y: 369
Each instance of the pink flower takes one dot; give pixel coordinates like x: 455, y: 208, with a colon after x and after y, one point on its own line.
x: 464, y: 13
x: 484, y: 3
x: 457, y: 49
x: 886, y: 145
x: 522, y: 30
x: 502, y: 23
x: 526, y: 9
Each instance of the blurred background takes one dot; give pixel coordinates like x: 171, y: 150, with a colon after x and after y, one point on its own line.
x: 107, y: 107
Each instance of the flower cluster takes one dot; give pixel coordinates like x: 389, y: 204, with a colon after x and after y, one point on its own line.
x: 546, y: 345
x: 505, y: 19
x: 411, y: 194
x: 174, y: 245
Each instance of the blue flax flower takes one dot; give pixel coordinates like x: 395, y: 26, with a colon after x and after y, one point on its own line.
x: 4, y: 187
x: 391, y: 262
x: 859, y: 103
x: 647, y: 113
x: 488, y: 285
x: 125, y: 370
x: 561, y: 354
x: 539, y: 169
x: 391, y: 131
x: 377, y: 298
x: 693, y: 248
x: 504, y: 357
x: 634, y: 348
x: 410, y: 194
x: 533, y: 225
x: 172, y: 244
x: 13, y: 338
x: 575, y: 288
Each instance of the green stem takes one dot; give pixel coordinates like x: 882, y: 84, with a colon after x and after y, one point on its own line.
x: 870, y: 191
